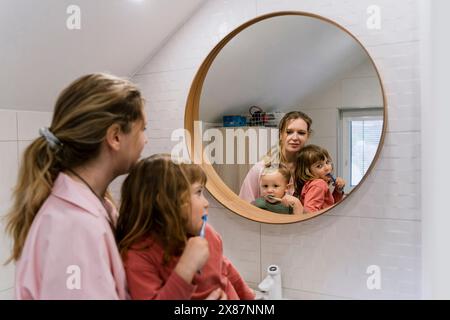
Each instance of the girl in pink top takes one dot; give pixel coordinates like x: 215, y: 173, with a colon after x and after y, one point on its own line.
x: 294, y: 131
x: 62, y: 218
x: 168, y: 250
x: 314, y: 168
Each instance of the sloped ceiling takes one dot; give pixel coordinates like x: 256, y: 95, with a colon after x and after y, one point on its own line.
x: 39, y: 55
x: 277, y: 64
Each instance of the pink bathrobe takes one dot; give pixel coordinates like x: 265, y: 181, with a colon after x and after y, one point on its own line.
x: 70, y: 251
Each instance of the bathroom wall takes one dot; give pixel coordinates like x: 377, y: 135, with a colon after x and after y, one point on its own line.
x: 380, y: 223
x: 17, y: 129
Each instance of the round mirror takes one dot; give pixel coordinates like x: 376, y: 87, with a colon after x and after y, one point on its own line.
x: 262, y: 73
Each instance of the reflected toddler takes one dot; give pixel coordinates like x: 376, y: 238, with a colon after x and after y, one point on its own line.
x: 274, y: 185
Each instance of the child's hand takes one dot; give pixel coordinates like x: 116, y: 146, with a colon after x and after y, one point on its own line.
x: 217, y: 294
x: 340, y: 184
x: 194, y: 256
x: 291, y: 201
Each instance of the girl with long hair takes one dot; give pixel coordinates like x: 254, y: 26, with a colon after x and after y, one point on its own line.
x: 169, y: 250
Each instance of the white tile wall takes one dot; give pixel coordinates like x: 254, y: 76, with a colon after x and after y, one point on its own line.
x: 7, y: 294
x: 305, y: 295
x: 8, y: 173
x: 379, y: 224
x: 331, y: 254
x: 8, y: 125
x: 29, y: 122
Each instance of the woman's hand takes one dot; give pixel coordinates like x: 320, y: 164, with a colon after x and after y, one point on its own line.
x: 293, y: 202
x: 217, y: 294
x: 340, y: 184
x: 194, y: 257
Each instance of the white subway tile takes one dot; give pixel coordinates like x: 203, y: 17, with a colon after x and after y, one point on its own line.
x: 29, y: 123
x: 7, y: 294
x: 332, y: 246
x: 304, y: 295
x: 21, y: 147
x: 8, y: 125
x: 8, y: 174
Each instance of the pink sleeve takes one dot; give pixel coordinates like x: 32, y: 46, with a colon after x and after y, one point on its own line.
x: 315, y: 196
x: 144, y: 282
x: 250, y: 187
x: 242, y: 289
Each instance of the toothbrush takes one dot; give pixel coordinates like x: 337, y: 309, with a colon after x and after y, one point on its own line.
x: 278, y: 199
x: 332, y: 178
x: 202, y: 230
x: 334, y: 182
x: 273, y: 197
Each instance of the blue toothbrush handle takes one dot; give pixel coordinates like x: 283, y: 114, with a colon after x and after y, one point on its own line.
x: 202, y: 230
x: 332, y: 178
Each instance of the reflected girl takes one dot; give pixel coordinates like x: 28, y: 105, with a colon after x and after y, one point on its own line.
x: 314, y: 168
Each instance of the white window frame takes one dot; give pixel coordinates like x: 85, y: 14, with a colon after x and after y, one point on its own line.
x: 345, y: 116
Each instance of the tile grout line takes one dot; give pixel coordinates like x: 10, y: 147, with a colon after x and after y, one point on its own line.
x: 17, y: 139
x: 320, y: 294
x: 4, y: 290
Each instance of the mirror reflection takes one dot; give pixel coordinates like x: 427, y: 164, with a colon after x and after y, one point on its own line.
x: 292, y: 113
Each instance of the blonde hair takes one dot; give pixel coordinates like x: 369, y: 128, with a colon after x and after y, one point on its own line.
x: 270, y: 168
x: 308, y: 156
x: 276, y: 154
x: 156, y: 196
x: 83, y: 113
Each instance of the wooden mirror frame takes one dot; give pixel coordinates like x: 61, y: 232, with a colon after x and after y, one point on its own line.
x: 215, y: 185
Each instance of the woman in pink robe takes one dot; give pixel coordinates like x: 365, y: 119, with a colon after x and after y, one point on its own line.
x: 62, y: 218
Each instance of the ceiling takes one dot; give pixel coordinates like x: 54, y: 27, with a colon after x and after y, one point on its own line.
x: 278, y: 64
x: 39, y: 55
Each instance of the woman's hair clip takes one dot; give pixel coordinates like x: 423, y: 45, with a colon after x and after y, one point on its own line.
x: 51, y: 139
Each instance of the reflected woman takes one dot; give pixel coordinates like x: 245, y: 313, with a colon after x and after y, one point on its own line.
x: 294, y: 132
